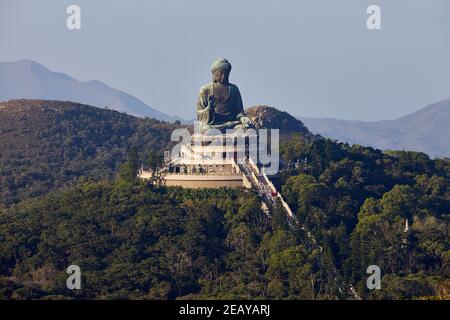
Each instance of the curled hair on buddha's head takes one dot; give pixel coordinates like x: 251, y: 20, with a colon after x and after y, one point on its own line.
x: 221, y: 64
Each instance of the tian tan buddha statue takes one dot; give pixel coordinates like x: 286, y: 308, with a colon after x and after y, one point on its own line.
x: 219, y: 104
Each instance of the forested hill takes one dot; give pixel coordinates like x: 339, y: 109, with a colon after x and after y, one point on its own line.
x: 50, y: 144
x: 135, y: 241
x: 272, y: 118
x: 367, y: 207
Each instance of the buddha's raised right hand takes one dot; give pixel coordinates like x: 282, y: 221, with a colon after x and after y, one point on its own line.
x: 212, y: 102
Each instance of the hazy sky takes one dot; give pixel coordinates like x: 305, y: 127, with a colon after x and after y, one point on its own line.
x: 311, y: 58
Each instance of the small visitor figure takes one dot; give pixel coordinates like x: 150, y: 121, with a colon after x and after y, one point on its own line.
x: 219, y: 104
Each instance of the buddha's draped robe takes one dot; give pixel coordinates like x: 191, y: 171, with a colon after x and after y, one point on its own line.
x: 229, y: 111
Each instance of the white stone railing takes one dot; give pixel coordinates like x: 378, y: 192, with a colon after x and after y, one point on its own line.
x: 254, y: 166
x: 246, y: 182
x: 272, y: 187
x: 235, y: 166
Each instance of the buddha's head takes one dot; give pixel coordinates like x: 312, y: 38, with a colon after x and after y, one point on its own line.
x: 221, y: 69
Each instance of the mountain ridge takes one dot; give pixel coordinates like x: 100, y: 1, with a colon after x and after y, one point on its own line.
x: 425, y: 130
x: 27, y: 79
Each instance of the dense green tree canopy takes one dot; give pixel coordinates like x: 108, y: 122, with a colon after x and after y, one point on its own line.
x: 69, y: 195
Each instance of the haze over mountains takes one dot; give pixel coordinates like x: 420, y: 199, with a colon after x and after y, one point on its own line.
x: 426, y: 130
x: 26, y: 79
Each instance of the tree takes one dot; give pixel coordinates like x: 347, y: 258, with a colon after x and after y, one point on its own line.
x: 154, y: 160
x: 129, y: 170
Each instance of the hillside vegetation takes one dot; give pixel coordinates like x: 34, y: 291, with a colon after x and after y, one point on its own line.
x: 357, y: 202
x: 135, y: 241
x: 142, y: 243
x: 50, y: 144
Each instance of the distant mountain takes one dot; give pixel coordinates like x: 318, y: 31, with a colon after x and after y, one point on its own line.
x: 426, y: 130
x: 26, y: 79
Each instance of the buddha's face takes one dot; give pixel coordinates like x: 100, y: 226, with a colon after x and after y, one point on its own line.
x: 220, y: 76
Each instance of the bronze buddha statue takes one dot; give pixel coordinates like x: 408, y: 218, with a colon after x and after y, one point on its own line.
x: 219, y: 104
